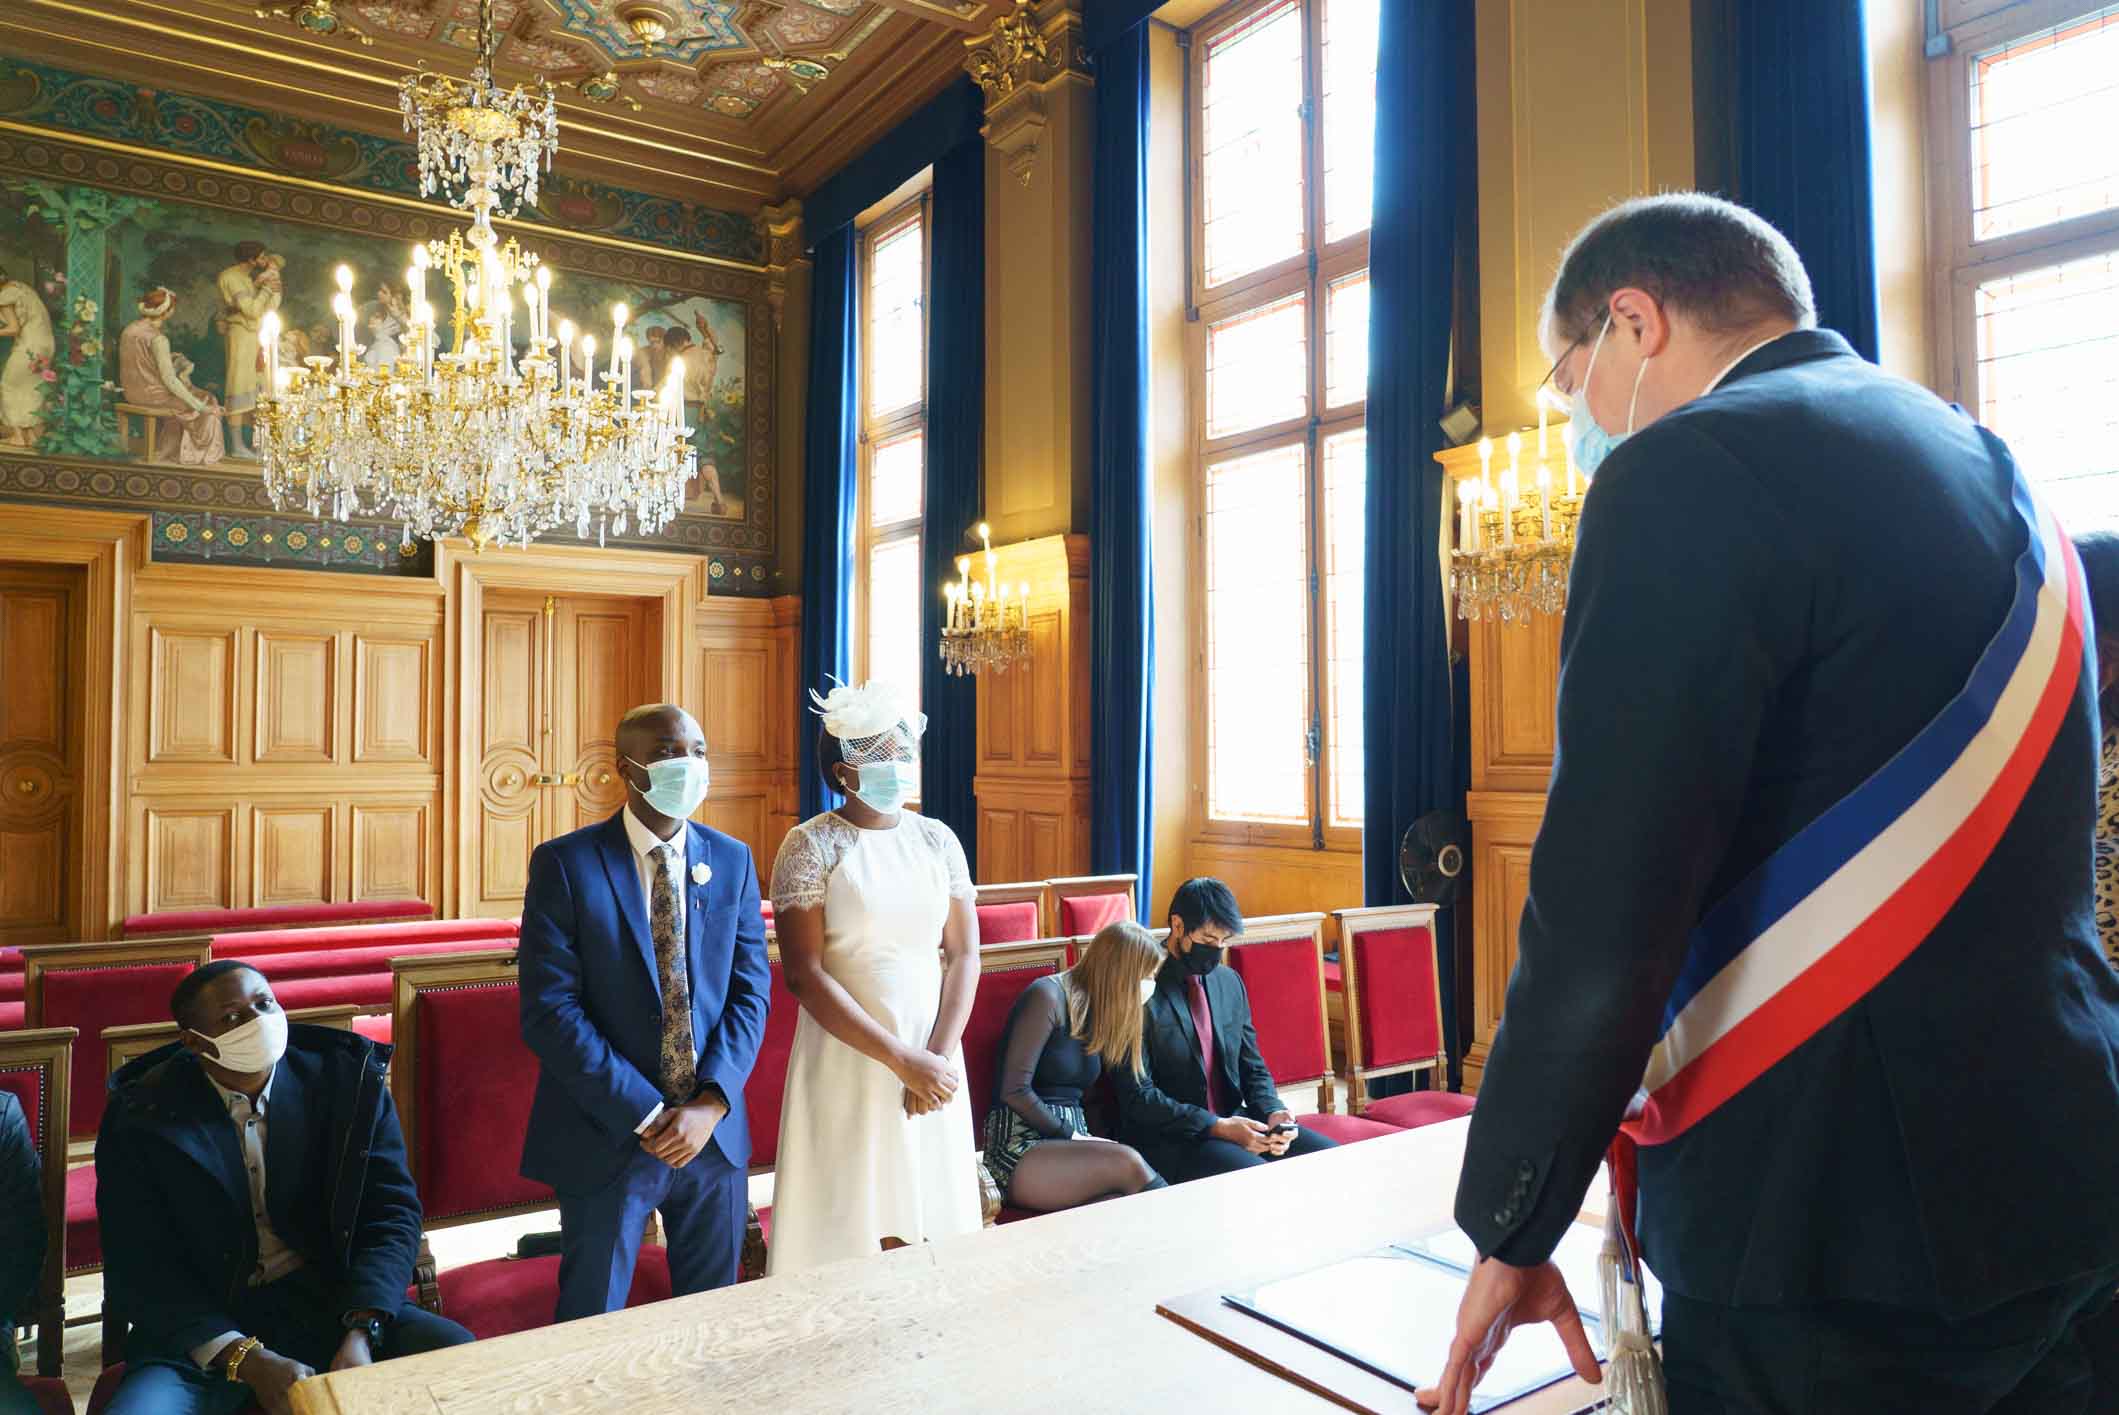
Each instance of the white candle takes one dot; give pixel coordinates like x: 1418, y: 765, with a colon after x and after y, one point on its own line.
x: 418, y: 282
x: 619, y: 316
x: 342, y: 306
x: 623, y: 364
x: 1544, y: 502
x: 1541, y: 424
x: 544, y: 302
x: 566, y: 352
x: 1486, y: 465
x: 269, y: 336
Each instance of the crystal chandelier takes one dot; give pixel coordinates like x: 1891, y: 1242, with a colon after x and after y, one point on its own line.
x: 1514, y: 547
x: 981, y: 629
x: 477, y: 439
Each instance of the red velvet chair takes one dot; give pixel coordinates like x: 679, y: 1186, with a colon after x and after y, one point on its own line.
x: 50, y: 1393
x: 1393, y: 1009
x: 37, y: 1067
x: 298, y: 965
x: 1281, y: 961
x: 92, y: 986
x: 463, y: 1080
x: 467, y: 933
x: 205, y: 922
x: 1078, y: 907
x: 1005, y: 970
x: 1012, y: 913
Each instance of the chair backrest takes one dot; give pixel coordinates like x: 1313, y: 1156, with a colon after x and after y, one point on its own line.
x: 463, y: 1079
x: 258, y: 943
x: 767, y: 1085
x: 94, y: 986
x: 187, y: 922
x: 1005, y: 970
x: 37, y: 1067
x: 1281, y: 961
x: 126, y: 1044
x: 1082, y: 905
x: 1393, y: 988
x: 1012, y: 913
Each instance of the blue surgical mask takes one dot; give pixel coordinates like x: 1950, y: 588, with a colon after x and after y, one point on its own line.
x: 675, y: 787
x: 1586, y: 437
x: 886, y: 786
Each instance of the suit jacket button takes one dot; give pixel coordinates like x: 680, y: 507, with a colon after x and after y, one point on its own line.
x: 1526, y: 1171
x: 1504, y: 1217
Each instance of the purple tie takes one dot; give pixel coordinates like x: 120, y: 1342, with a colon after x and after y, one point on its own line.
x: 1203, y: 1023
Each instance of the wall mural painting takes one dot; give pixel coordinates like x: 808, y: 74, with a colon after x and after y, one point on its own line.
x: 129, y: 323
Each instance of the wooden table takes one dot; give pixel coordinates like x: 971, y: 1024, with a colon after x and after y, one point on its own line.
x: 1053, y: 1314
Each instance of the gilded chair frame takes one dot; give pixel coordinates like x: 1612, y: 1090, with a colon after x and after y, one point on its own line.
x: 50, y: 1050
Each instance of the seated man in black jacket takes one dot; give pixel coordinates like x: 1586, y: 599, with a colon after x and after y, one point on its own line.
x: 259, y: 1224
x: 22, y: 1243
x: 1204, y: 1102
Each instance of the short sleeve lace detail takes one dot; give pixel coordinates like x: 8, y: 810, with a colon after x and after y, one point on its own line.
x: 807, y: 857
x: 952, y: 853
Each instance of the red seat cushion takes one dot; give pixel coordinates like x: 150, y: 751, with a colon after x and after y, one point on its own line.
x: 10, y: 1016
x: 84, y: 1239
x: 1287, y: 1007
x: 287, y: 965
x: 1013, y: 922
x: 107, y: 1386
x: 463, y: 931
x: 1417, y: 1108
x: 356, y: 990
x: 986, y: 1030
x: 762, y: 1093
x: 472, y: 1086
x: 1345, y: 1129
x: 206, y: 921
x: 96, y: 996
x: 12, y: 984
x: 1334, y: 975
x: 1083, y: 914
x: 1401, y: 1020
x: 505, y: 1295
x: 51, y: 1395
x: 375, y: 1028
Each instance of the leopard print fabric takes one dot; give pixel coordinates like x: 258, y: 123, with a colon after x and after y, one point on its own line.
x: 2108, y: 844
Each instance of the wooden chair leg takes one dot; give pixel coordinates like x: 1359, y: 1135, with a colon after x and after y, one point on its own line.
x: 114, y: 1329
x: 423, y: 1274
x: 51, y: 1338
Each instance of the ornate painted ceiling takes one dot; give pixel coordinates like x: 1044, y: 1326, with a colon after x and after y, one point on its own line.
x: 733, y: 102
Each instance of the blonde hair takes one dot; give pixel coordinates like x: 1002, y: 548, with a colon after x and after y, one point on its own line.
x: 1103, y: 992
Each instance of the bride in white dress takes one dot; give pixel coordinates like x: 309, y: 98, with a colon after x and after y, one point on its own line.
x: 873, y: 906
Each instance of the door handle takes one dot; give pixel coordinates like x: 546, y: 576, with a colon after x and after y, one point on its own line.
x: 553, y: 778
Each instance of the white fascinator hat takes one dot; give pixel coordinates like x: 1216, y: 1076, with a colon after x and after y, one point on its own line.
x: 872, y: 721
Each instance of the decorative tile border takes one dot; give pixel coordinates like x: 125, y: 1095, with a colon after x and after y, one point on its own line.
x: 197, y: 537
x: 253, y: 138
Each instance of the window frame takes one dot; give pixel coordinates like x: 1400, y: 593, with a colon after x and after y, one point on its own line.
x: 1312, y: 272
x: 1961, y: 263
x: 891, y: 425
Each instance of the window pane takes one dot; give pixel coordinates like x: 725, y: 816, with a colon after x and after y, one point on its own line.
x: 1251, y: 202
x: 2049, y: 380
x: 894, y: 614
x: 1258, y: 369
x: 1258, y: 657
x: 1349, y: 115
x: 897, y: 335
x: 896, y: 479
x: 1345, y: 518
x: 1346, y: 341
x: 2038, y: 109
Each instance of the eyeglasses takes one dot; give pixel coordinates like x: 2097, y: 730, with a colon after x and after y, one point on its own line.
x: 1546, y: 389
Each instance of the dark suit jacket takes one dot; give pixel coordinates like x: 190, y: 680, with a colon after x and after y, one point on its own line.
x: 22, y: 1235
x: 179, y: 1242
x: 1776, y: 587
x: 592, y: 997
x: 1166, y: 1104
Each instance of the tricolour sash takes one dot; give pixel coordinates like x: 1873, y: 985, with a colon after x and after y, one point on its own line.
x: 1828, y: 916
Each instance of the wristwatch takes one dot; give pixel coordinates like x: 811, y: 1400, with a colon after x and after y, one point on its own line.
x: 370, y: 1324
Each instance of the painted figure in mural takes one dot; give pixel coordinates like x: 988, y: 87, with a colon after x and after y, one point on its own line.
x: 156, y: 381
x: 655, y: 355
x: 24, y: 384
x: 700, y: 373
x: 384, y: 321
x: 245, y: 300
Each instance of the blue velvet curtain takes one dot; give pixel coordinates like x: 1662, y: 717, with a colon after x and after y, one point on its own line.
x: 956, y: 422
x: 1122, y: 618
x: 1423, y: 134
x: 1801, y: 146
x: 828, y: 497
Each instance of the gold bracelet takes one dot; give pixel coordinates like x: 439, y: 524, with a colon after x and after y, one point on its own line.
x: 243, y: 1349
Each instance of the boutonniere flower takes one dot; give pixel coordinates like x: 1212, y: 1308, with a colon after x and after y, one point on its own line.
x: 701, y: 873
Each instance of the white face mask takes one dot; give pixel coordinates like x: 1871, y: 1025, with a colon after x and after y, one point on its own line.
x: 254, y: 1047
x: 1147, y: 990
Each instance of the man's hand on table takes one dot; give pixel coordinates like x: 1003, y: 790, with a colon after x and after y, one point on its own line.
x: 1499, y: 1298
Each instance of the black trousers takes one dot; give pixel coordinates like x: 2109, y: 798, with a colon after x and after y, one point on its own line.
x: 2028, y: 1356
x: 295, y: 1317
x: 1201, y: 1158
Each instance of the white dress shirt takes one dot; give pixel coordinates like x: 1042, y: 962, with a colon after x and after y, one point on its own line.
x: 275, y: 1258
x: 644, y: 842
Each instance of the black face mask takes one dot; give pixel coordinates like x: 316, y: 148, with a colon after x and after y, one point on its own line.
x: 1203, y: 959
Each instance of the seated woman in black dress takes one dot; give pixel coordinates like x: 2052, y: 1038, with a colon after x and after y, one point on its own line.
x: 1063, y: 1031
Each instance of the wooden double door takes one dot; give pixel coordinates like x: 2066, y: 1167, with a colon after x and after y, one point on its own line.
x: 42, y: 640
x: 556, y: 672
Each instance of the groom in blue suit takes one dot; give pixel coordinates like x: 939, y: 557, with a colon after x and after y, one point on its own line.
x: 644, y: 988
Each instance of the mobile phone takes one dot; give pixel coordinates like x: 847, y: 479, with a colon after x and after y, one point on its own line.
x: 1286, y: 1127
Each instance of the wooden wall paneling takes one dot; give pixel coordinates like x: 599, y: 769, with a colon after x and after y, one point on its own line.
x: 43, y: 648
x: 392, y: 699
x: 603, y: 668
x: 1504, y: 827
x: 296, y: 696
x: 192, y: 690
x: 507, y: 820
x: 292, y: 861
x: 189, y: 857
x: 393, y: 848
x: 748, y: 698
x: 1515, y: 684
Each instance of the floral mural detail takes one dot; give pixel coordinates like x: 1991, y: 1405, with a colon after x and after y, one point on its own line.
x: 800, y: 24
x: 672, y: 88
x: 411, y: 20
x: 754, y: 82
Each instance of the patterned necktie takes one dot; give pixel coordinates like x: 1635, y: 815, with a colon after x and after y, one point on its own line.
x: 1203, y: 1024
x: 680, y: 1076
